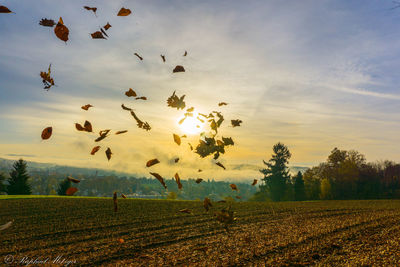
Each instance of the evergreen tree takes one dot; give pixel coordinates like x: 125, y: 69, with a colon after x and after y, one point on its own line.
x: 299, y: 189
x: 18, y: 181
x: 63, y: 186
x: 276, y: 175
x: 2, y: 186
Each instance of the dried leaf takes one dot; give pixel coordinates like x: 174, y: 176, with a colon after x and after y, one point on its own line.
x: 61, y: 31
x: 46, y: 78
x: 125, y: 108
x: 176, y: 102
x: 254, y: 182
x: 159, y: 178
x: 115, y: 201
x: 207, y: 203
x: 46, y: 133
x: 86, y: 107
x: 75, y: 181
x: 130, y: 93
x: 188, y: 211
x: 108, y: 153
x: 185, y: 54
x: 70, y: 191
x: 94, y: 9
x: 236, y: 123
x: 6, y: 225
x: 163, y: 57
x: 4, y: 9
x: 94, y: 150
x: 47, y: 23
x: 121, y: 132
x: 107, y: 26
x: 123, y: 196
x: 198, y: 180
x: 177, y: 139
x: 178, y: 180
x: 124, y: 12
x: 222, y: 104
x: 178, y: 68
x: 220, y: 164
x: 136, y: 54
x: 152, y: 162
x: 141, y: 97
x: 88, y: 126
x: 79, y: 127
x: 176, y: 160
x: 97, y: 35
x: 103, y: 134
x: 234, y: 187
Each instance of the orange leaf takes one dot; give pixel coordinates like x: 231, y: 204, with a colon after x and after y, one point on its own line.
x: 159, y: 178
x: 177, y: 139
x: 61, y: 31
x: 94, y: 9
x: 70, y: 191
x: 94, y: 150
x: 220, y: 164
x: 46, y: 133
x: 152, y: 162
x: 222, y: 104
x: 97, y: 35
x: 124, y: 12
x: 4, y: 9
x: 107, y: 26
x: 121, y: 241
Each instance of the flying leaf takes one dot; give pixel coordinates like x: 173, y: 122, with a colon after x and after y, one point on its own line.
x: 234, y: 187
x: 108, y: 153
x: 88, y: 126
x: 236, y: 123
x: 140, y: 124
x: 178, y: 68
x: 190, y: 109
x: 182, y: 120
x: 228, y: 141
x: 199, y: 170
x: 123, y: 196
x: 190, y: 145
x: 185, y: 54
x: 176, y: 102
x: 188, y: 211
x: 220, y: 164
x: 47, y: 23
x: 94, y: 150
x: 103, y: 32
x: 4, y: 9
x: 254, y: 182
x: 46, y: 133
x: 75, y: 181
x: 177, y: 139
x: 115, y: 201
x: 222, y: 104
x: 152, y: 162
x: 125, y: 108
x: 6, y: 225
x: 124, y: 12
x: 159, y: 178
x: 141, y: 97
x: 94, y: 9
x: 97, y: 35
x: 176, y: 160
x: 136, y: 54
x: 198, y: 180
x: 70, y: 191
x: 79, y: 127
x: 46, y: 79
x: 61, y: 31
x: 178, y: 180
x: 107, y: 26
x: 121, y: 132
x: 163, y: 57
x: 103, y: 134
x: 86, y: 107
x: 130, y: 93
x: 207, y: 203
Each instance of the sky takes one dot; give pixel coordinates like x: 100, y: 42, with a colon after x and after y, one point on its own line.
x: 312, y: 74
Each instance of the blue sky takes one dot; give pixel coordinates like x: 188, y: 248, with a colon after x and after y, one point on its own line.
x: 312, y: 74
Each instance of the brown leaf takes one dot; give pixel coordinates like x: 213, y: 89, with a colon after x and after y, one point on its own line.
x: 136, y: 54
x: 124, y: 12
x: 178, y: 68
x: 46, y: 78
x: 220, y: 164
x: 88, y: 126
x: 125, y: 108
x: 207, y: 203
x: 70, y: 191
x: 176, y: 160
x: 61, y: 31
x: 141, y: 97
x: 46, y: 133
x: 103, y: 134
x: 79, y: 127
x: 130, y: 93
x: 152, y: 162
x: 107, y: 26
x: 94, y: 150
x: 222, y: 104
x: 236, y: 123
x: 108, y: 153
x: 4, y: 9
x: 234, y: 187
x: 75, y: 181
x: 115, y: 201
x: 159, y: 178
x: 176, y: 102
x: 254, y: 182
x: 177, y: 139
x: 163, y: 58
x: 97, y: 35
x: 188, y: 211
x: 178, y: 180
x: 123, y: 196
x: 198, y: 180
x: 185, y: 54
x: 86, y: 107
x: 47, y: 22
x: 121, y: 132
x: 94, y: 9
x: 199, y: 170
x: 140, y: 124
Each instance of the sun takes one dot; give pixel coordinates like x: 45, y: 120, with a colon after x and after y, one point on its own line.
x: 190, y: 125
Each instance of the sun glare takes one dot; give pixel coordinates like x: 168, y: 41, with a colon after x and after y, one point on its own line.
x: 190, y: 125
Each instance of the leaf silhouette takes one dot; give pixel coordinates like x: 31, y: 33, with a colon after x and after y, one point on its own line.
x: 176, y: 160
x: 61, y: 30
x: 141, y: 97
x: 159, y: 178
x: 207, y: 203
x: 124, y: 12
x: 94, y: 9
x: 70, y: 191
x: 97, y: 35
x: 75, y: 181
x: 220, y: 164
x: 136, y: 54
x: 115, y: 201
x: 79, y: 127
x: 234, y: 187
x: 236, y: 123
x: 125, y: 108
x: 4, y: 9
x: 108, y: 153
x: 178, y: 180
x: 6, y: 225
x: 140, y: 124
x: 88, y: 126
x: 121, y: 240
x: 182, y: 120
x: 198, y: 180
x: 177, y: 139
x: 178, y: 68
x: 46, y: 79
x: 163, y: 57
x: 176, y: 102
x: 121, y: 132
x: 94, y: 150
x: 254, y: 182
x: 107, y: 26
x: 103, y: 134
x: 152, y: 162
x: 47, y: 23
x: 46, y: 133
x: 130, y: 93
x: 86, y: 107
x: 222, y: 104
